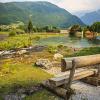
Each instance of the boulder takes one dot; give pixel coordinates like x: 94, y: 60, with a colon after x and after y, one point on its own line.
x: 44, y: 63
x: 58, y: 56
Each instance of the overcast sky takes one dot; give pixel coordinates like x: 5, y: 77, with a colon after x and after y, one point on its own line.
x: 71, y: 5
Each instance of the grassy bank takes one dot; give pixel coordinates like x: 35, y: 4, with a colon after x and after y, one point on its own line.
x: 86, y: 51
x: 24, y: 40
x: 13, y: 75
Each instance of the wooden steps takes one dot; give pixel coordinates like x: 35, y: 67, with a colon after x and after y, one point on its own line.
x: 58, y: 81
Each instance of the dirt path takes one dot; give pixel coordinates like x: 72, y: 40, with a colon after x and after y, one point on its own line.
x: 3, y: 36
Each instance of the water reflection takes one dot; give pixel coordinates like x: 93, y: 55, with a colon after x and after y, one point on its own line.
x: 71, y: 41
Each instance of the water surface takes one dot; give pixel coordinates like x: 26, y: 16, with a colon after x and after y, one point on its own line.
x: 69, y: 41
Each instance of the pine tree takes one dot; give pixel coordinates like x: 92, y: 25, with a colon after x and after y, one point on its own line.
x: 30, y: 26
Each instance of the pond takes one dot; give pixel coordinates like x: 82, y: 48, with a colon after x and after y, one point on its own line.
x: 69, y: 41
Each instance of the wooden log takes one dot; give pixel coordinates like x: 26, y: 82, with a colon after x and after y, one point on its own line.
x: 57, y: 90
x: 82, y: 61
x: 92, y: 80
x: 58, y: 81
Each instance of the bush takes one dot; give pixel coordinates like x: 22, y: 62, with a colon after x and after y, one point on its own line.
x: 12, y: 33
x: 52, y: 49
x: 19, y: 31
x: 37, y: 38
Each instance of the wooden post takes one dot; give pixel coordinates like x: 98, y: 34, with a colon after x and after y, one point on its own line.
x: 98, y: 71
x: 71, y: 76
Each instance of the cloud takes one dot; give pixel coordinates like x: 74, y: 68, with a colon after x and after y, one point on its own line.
x: 71, y: 5
x: 77, y: 5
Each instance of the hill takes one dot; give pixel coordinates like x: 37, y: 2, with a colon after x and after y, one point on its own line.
x: 43, y: 13
x: 90, y: 18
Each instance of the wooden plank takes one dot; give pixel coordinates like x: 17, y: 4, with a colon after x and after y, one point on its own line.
x: 89, y: 60
x: 64, y: 79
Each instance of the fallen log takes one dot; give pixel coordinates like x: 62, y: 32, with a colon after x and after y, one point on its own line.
x: 82, y: 61
x: 57, y: 90
x: 58, y: 81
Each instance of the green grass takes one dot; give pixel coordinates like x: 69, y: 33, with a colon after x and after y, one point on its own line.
x: 42, y: 95
x: 6, y: 33
x: 86, y: 51
x: 20, y: 75
x: 24, y: 40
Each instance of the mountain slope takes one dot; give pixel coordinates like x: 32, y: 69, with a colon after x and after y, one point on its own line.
x: 43, y: 13
x: 90, y: 18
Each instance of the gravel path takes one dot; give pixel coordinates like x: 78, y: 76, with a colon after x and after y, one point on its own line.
x: 85, y: 92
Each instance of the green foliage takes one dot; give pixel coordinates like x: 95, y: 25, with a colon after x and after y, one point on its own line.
x: 30, y: 26
x: 74, y: 29
x: 95, y: 27
x: 42, y: 95
x: 12, y: 33
x: 43, y: 14
x: 87, y: 51
x: 37, y: 38
x: 52, y: 49
x: 19, y: 31
x: 23, y: 40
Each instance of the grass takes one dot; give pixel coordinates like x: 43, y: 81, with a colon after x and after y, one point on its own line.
x: 5, y: 33
x: 42, y: 95
x: 20, y: 75
x: 87, y: 51
x: 24, y: 40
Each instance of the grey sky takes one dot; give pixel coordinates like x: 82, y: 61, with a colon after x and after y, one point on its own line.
x: 71, y: 5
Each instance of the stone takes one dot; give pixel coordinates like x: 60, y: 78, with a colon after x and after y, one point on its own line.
x: 38, y: 48
x: 58, y: 56
x: 21, y: 52
x: 12, y: 97
x: 44, y: 63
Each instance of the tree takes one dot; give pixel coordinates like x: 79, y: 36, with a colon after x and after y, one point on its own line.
x: 95, y: 27
x: 30, y: 26
x: 74, y: 29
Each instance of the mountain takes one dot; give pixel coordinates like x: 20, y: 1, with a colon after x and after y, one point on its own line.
x: 90, y: 18
x: 80, y: 13
x: 42, y: 14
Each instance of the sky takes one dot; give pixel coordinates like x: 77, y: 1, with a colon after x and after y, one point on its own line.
x: 71, y: 5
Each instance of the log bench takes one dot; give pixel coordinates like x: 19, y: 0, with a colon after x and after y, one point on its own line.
x: 76, y: 68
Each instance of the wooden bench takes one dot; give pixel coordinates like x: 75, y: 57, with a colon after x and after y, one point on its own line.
x: 76, y: 68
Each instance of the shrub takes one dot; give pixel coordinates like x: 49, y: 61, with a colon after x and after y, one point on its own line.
x: 37, y: 38
x: 12, y: 33
x: 19, y: 31
x: 52, y: 49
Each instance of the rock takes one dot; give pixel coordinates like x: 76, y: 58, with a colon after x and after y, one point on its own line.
x: 38, y: 48
x: 58, y: 56
x: 1, y: 52
x: 12, y: 97
x: 44, y: 63
x: 21, y: 52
